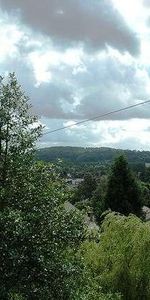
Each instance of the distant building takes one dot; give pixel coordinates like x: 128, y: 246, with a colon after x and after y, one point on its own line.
x: 89, y: 221
x: 146, y: 211
x: 74, y: 182
x: 147, y: 165
x: 77, y: 181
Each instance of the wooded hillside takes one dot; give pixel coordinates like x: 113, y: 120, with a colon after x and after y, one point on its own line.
x: 89, y: 155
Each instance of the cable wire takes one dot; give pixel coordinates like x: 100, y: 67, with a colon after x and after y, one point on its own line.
x: 97, y: 117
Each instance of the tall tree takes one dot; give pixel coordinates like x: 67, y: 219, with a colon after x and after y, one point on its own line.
x: 123, y: 193
x: 19, y: 131
x: 36, y: 232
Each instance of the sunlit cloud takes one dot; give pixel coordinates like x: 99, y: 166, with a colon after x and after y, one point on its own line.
x: 90, y: 65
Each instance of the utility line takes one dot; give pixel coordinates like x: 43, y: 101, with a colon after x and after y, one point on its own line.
x: 97, y: 117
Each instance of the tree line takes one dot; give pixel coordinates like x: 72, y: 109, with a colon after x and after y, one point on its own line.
x: 80, y: 155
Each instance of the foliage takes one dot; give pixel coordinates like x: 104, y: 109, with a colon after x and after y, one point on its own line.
x: 19, y: 131
x: 85, y: 189
x: 79, y: 155
x: 145, y: 192
x: 34, y: 239
x: 85, y: 286
x: 36, y: 231
x: 98, y: 198
x: 145, y: 175
x: 123, y: 193
x: 120, y: 262
x: 78, y: 161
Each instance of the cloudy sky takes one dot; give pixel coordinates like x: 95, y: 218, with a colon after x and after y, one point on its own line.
x: 78, y: 59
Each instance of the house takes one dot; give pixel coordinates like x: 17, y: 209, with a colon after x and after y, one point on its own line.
x: 146, y: 211
x: 74, y: 182
x: 147, y: 165
x: 87, y: 220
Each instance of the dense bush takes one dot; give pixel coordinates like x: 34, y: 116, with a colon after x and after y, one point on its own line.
x: 120, y: 262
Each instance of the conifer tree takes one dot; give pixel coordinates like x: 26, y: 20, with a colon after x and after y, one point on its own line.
x: 123, y: 193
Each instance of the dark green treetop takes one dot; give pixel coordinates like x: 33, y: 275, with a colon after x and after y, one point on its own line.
x: 123, y: 192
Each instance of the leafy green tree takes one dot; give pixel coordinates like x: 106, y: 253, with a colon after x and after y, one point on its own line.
x: 98, y: 198
x: 145, y: 176
x: 19, y: 131
x: 120, y: 261
x: 87, y: 286
x: 123, y: 193
x: 145, y: 193
x: 85, y: 189
x: 36, y: 232
x: 35, y: 239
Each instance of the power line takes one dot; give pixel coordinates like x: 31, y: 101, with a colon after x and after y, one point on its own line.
x: 97, y: 117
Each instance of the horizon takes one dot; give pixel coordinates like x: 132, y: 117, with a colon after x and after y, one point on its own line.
x: 89, y: 147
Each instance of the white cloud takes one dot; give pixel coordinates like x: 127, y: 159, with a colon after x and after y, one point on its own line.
x: 43, y: 61
x: 130, y: 134
x: 134, y: 13
x: 72, y: 82
x: 10, y: 37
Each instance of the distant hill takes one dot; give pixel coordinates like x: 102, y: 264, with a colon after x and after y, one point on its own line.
x: 79, y: 155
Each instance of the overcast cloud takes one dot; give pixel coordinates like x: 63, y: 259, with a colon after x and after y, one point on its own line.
x: 93, y: 23
x: 76, y: 60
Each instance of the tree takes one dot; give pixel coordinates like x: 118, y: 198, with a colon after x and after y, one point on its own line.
x: 145, y: 175
x: 98, y: 198
x: 85, y: 189
x: 19, y: 131
x: 145, y: 192
x: 123, y: 193
x: 36, y: 232
x: 120, y: 261
x: 35, y: 240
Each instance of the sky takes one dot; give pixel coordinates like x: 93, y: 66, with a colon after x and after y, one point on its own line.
x: 78, y: 59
